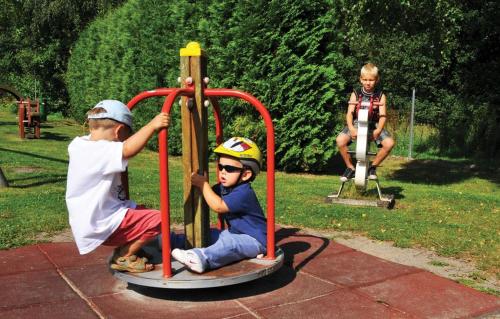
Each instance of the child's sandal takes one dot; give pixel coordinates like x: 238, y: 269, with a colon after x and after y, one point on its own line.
x: 131, y: 264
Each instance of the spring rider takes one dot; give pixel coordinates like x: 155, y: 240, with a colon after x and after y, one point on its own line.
x: 362, y: 155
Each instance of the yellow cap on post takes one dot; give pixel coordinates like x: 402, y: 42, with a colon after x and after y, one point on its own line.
x: 192, y: 49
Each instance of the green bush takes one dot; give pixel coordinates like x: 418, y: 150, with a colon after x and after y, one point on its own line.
x: 292, y: 62
x: 131, y: 50
x: 301, y: 58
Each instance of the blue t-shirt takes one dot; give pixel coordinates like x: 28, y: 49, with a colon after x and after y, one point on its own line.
x: 245, y: 215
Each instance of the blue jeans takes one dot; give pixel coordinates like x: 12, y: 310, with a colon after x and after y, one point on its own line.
x: 229, y: 248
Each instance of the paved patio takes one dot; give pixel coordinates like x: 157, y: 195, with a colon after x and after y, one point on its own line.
x: 320, y: 279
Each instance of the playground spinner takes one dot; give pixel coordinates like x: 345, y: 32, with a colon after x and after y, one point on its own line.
x: 194, y: 102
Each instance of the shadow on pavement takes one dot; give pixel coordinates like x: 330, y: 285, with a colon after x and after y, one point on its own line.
x: 275, y: 281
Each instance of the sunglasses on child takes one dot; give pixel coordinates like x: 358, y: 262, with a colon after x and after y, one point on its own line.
x: 229, y: 168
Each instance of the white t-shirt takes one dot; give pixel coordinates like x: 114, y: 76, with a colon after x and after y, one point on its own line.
x: 94, y: 194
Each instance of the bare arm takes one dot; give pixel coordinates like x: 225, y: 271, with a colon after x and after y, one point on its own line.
x: 213, y: 200
x: 135, y: 143
x: 349, y: 115
x: 382, y: 117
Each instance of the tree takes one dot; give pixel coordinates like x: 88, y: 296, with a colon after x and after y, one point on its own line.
x: 286, y: 53
x: 36, y: 39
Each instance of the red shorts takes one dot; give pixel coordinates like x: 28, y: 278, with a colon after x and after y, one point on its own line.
x: 139, y: 223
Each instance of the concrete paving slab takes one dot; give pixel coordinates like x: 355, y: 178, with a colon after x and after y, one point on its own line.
x: 22, y: 259
x: 355, y: 269
x: 342, y: 303
x: 300, y: 249
x: 94, y: 280
x: 74, y: 308
x: 36, y: 287
x: 133, y: 305
x: 322, y: 279
x: 429, y: 296
x: 283, y: 287
x: 66, y: 255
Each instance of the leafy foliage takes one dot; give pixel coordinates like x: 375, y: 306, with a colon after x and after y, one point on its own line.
x: 134, y: 49
x: 284, y: 53
x: 446, y: 50
x: 300, y: 58
x: 35, y: 40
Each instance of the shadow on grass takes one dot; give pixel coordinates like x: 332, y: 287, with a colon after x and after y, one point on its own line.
x: 396, y: 191
x: 51, y: 179
x: 8, y: 123
x: 335, y: 166
x: 54, y: 136
x: 35, y: 155
x: 443, y: 172
x: 281, y: 278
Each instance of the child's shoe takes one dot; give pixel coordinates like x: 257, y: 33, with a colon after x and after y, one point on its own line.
x: 348, y: 174
x: 190, y: 259
x: 372, y: 172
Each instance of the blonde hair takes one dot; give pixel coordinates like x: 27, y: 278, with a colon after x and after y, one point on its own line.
x: 369, y: 69
x: 100, y: 123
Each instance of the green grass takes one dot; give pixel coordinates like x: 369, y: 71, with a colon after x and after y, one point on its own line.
x: 438, y: 263
x: 444, y: 205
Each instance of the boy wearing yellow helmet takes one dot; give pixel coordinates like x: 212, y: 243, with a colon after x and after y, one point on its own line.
x: 239, y: 161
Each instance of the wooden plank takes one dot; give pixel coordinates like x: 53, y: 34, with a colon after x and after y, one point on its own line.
x: 199, y: 146
x: 194, y: 152
x: 186, y: 157
x: 361, y: 202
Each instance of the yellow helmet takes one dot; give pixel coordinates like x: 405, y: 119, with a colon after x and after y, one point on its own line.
x: 245, y: 150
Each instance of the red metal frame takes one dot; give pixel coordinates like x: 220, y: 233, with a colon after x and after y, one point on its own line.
x: 171, y: 94
x: 218, y: 140
x: 270, y: 156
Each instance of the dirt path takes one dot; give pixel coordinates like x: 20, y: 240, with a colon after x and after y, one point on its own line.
x: 451, y: 268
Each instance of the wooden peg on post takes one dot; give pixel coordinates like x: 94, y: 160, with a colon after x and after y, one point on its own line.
x: 193, y: 67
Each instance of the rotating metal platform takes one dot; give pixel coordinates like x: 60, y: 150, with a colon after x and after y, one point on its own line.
x: 239, y: 272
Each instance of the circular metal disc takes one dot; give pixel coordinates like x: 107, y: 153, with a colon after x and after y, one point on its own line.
x: 242, y: 271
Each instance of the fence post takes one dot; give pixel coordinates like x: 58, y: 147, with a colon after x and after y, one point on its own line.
x: 411, y: 123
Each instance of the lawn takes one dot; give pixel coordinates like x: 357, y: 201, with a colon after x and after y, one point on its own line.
x: 450, y: 206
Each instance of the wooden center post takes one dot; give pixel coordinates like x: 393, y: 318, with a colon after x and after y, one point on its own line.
x: 193, y: 67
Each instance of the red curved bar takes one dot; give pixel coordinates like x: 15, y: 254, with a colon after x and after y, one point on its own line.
x: 147, y: 94
x: 164, y: 187
x: 131, y: 104
x: 172, y: 94
x: 218, y: 121
x: 270, y: 157
x: 218, y: 140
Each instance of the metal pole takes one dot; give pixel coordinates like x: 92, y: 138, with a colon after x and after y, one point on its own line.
x: 411, y: 123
